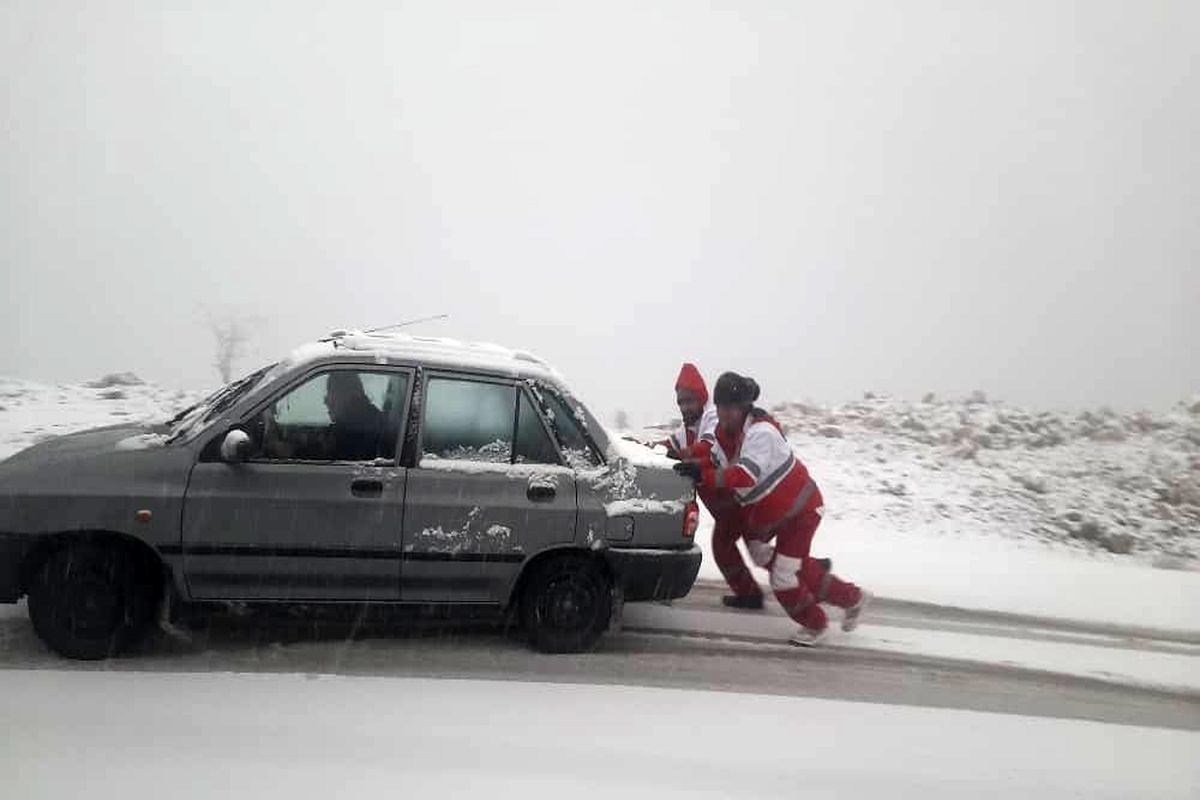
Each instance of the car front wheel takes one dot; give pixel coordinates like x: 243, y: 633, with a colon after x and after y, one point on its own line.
x: 566, y: 604
x: 86, y: 601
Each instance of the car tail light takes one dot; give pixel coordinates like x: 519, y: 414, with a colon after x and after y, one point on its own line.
x: 691, y: 520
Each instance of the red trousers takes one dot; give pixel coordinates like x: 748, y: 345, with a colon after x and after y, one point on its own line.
x: 727, y: 530
x: 800, y: 583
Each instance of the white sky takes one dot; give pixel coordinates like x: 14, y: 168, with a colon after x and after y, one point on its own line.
x: 831, y: 197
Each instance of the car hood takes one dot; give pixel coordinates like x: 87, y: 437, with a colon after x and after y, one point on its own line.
x: 98, y: 442
x: 96, y: 480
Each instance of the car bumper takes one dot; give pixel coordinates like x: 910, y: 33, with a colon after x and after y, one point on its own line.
x: 646, y: 574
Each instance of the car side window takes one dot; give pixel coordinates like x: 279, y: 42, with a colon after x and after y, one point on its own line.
x: 533, y: 445
x: 578, y: 452
x: 339, y: 415
x: 467, y: 420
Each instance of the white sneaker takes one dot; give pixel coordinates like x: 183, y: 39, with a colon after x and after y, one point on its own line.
x: 807, y: 637
x: 850, y: 620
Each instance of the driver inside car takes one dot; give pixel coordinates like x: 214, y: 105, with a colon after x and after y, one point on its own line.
x: 357, y: 425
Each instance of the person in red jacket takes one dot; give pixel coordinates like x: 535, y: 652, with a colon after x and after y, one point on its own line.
x: 693, y: 441
x: 782, y: 507
x: 698, y: 415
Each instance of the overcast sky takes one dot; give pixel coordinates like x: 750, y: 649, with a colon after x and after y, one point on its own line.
x: 832, y: 197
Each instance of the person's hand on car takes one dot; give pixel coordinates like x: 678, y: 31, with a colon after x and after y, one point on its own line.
x: 688, y: 469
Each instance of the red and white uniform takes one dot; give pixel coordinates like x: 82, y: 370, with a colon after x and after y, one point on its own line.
x: 765, y: 476
x: 695, y: 443
x: 781, y: 503
x: 685, y: 437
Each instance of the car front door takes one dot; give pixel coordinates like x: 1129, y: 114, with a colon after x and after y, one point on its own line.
x: 314, y: 511
x: 489, y: 490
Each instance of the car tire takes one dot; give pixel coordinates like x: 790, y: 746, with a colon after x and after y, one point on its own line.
x: 90, y: 600
x: 566, y: 604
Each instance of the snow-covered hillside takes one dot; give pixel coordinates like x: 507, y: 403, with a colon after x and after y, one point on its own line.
x: 30, y: 412
x: 1098, y: 481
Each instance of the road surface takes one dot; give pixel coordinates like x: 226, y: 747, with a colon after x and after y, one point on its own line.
x: 694, y: 643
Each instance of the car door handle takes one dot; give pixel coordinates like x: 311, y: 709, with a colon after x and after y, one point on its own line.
x: 366, y: 487
x: 541, y: 494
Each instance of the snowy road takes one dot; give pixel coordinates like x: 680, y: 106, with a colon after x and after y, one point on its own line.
x: 695, y: 645
x: 188, y: 735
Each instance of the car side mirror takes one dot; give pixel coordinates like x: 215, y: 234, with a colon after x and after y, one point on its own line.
x: 235, y: 447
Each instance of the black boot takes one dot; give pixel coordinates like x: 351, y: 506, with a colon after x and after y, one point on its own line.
x: 753, y: 602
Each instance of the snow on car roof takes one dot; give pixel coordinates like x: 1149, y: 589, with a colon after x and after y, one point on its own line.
x: 439, y: 351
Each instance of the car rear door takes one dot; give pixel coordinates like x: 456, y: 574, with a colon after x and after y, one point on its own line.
x: 314, y: 513
x: 487, y: 490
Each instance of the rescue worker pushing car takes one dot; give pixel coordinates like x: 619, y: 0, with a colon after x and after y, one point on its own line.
x: 693, y: 441
x: 782, y: 508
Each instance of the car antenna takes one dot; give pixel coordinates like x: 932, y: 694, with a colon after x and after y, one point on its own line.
x: 335, y: 336
x: 406, y: 323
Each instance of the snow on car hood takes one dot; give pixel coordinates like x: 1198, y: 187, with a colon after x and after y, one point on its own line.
x: 85, y: 444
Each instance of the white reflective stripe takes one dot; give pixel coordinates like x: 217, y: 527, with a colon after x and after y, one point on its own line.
x: 820, y: 511
x: 706, y: 428
x: 760, y: 552
x: 768, y: 484
x: 749, y: 466
x: 785, y: 573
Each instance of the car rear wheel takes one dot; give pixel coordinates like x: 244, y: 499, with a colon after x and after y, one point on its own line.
x: 566, y: 604
x: 88, y: 601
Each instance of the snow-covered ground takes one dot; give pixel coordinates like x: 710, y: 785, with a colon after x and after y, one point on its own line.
x: 1094, y: 481
x: 134, y: 735
x: 1171, y: 666
x: 30, y: 412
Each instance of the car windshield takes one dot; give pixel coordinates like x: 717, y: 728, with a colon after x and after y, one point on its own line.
x: 196, y: 416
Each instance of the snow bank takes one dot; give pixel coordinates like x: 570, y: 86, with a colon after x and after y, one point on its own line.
x: 129, y: 735
x: 985, y: 571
